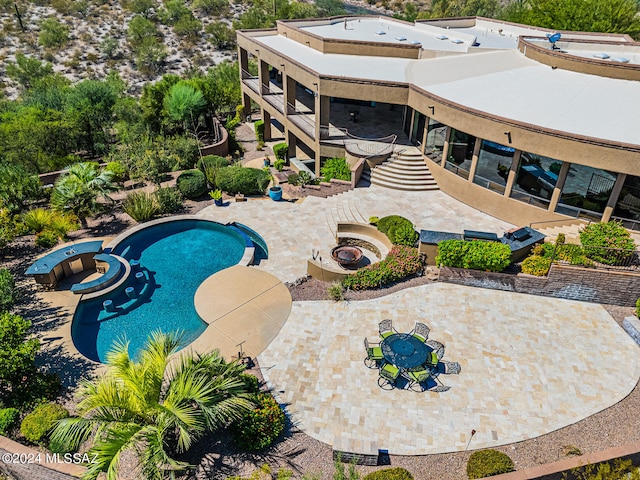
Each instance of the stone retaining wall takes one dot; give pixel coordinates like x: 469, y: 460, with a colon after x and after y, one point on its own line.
x: 572, y: 283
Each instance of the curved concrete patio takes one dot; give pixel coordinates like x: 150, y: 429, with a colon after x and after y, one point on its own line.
x: 530, y: 365
x: 241, y: 305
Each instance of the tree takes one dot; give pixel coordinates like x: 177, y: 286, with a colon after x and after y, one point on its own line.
x: 139, y: 29
x: 17, y: 186
x: 52, y: 33
x: 184, y: 104
x: 77, y: 191
x: 224, y: 94
x: 17, y: 352
x: 152, y: 100
x: 151, y: 408
x: 612, y: 16
x: 26, y: 70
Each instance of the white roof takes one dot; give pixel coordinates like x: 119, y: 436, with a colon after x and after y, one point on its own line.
x: 503, y: 83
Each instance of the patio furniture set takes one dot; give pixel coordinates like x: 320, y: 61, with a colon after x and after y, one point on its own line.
x: 408, y: 360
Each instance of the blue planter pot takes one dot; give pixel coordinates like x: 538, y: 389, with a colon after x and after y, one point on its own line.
x: 218, y: 202
x: 275, y: 193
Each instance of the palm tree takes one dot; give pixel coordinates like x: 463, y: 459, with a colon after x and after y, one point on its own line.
x: 153, y: 407
x: 78, y: 190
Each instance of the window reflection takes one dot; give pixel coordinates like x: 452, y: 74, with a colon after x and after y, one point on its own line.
x: 494, y: 163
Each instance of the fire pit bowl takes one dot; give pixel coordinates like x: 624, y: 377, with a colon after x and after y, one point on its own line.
x: 347, y: 255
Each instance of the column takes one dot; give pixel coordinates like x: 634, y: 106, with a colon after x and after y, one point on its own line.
x: 474, y: 159
x: 511, y: 178
x: 562, y: 176
x: 266, y: 118
x: 263, y: 74
x: 322, y: 110
x: 289, y: 87
x: 445, y: 147
x: 243, y: 63
x: 424, y: 136
x: 613, y: 198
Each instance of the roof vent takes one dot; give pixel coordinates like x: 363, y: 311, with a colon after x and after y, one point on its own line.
x: 415, y: 42
x: 620, y: 60
x: 601, y: 56
x: 381, y: 32
x: 442, y: 37
x: 457, y: 41
x: 401, y: 39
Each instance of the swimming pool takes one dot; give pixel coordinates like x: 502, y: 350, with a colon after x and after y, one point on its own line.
x: 174, y: 257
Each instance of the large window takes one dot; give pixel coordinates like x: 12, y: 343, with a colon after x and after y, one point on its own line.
x: 586, y: 192
x: 535, y: 179
x: 494, y: 163
x: 628, y: 207
x: 436, y: 135
x: 461, y: 146
x: 417, y: 128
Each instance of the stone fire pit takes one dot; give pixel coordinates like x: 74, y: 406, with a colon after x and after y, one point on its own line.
x: 347, y: 255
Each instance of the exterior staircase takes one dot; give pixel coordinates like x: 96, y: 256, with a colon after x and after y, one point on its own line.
x: 405, y: 170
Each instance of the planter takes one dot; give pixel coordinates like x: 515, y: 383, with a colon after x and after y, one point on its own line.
x: 275, y: 193
x: 218, y: 202
x: 266, y: 162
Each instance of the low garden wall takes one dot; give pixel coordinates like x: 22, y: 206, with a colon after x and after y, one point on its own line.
x: 571, y: 283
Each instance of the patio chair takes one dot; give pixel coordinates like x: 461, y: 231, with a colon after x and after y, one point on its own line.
x: 386, y: 328
x: 388, y: 375
x: 432, y: 359
x: 417, y: 378
x: 421, y: 332
x: 451, y: 368
x: 374, y: 354
x: 436, y: 347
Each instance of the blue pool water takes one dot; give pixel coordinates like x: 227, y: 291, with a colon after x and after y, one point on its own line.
x: 175, y: 259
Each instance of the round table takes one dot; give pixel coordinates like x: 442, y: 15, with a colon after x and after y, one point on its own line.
x: 404, y: 350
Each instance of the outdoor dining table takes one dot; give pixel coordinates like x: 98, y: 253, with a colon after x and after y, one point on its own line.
x: 404, y: 350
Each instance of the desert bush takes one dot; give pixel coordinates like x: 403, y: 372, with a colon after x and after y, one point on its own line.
x: 210, y: 164
x: 118, y: 171
x: 281, y: 151
x: 259, y: 428
x: 389, y: 474
x: 475, y: 255
x: 609, y: 243
x: 374, y: 220
x: 617, y: 469
x: 38, y: 219
x: 238, y: 179
x: 399, y: 230
x: 36, y: 426
x: 259, y: 128
x: 536, y: 265
x: 141, y: 206
x: 9, y: 418
x: 52, y: 33
x: 401, y: 262
x: 487, y: 463
x: 336, y: 168
x: 279, y: 164
x: 47, y: 239
x: 8, y: 292
x: 192, y: 183
x: 169, y: 200
x: 335, y: 291
x: 250, y: 382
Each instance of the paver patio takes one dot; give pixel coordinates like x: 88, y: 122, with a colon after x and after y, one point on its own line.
x: 530, y: 365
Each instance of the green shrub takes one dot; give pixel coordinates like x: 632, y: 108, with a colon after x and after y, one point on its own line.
x: 52, y: 33
x: 8, y: 292
x: 374, y: 220
x: 638, y: 308
x: 476, y: 255
x: 401, y: 262
x: 210, y: 166
x: 259, y: 428
x: 250, y: 382
x: 279, y: 164
x: 169, y: 200
x: 118, y: 171
x: 47, y: 239
x: 38, y: 219
x: 573, y: 254
x: 39, y: 387
x: 561, y: 239
x: 536, y: 265
x: 281, y: 151
x: 141, y: 206
x: 232, y: 123
x: 392, y: 224
x: 304, y: 178
x: 238, y: 179
x: 611, y: 235
x: 192, y: 183
x: 335, y: 291
x: 8, y: 420
x: 486, y: 463
x: 389, y: 474
x: 36, y: 426
x: 293, y: 179
x: 259, y: 128
x: 336, y: 168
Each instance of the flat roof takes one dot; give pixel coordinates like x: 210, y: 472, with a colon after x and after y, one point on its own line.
x: 503, y: 83
x: 615, y: 53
